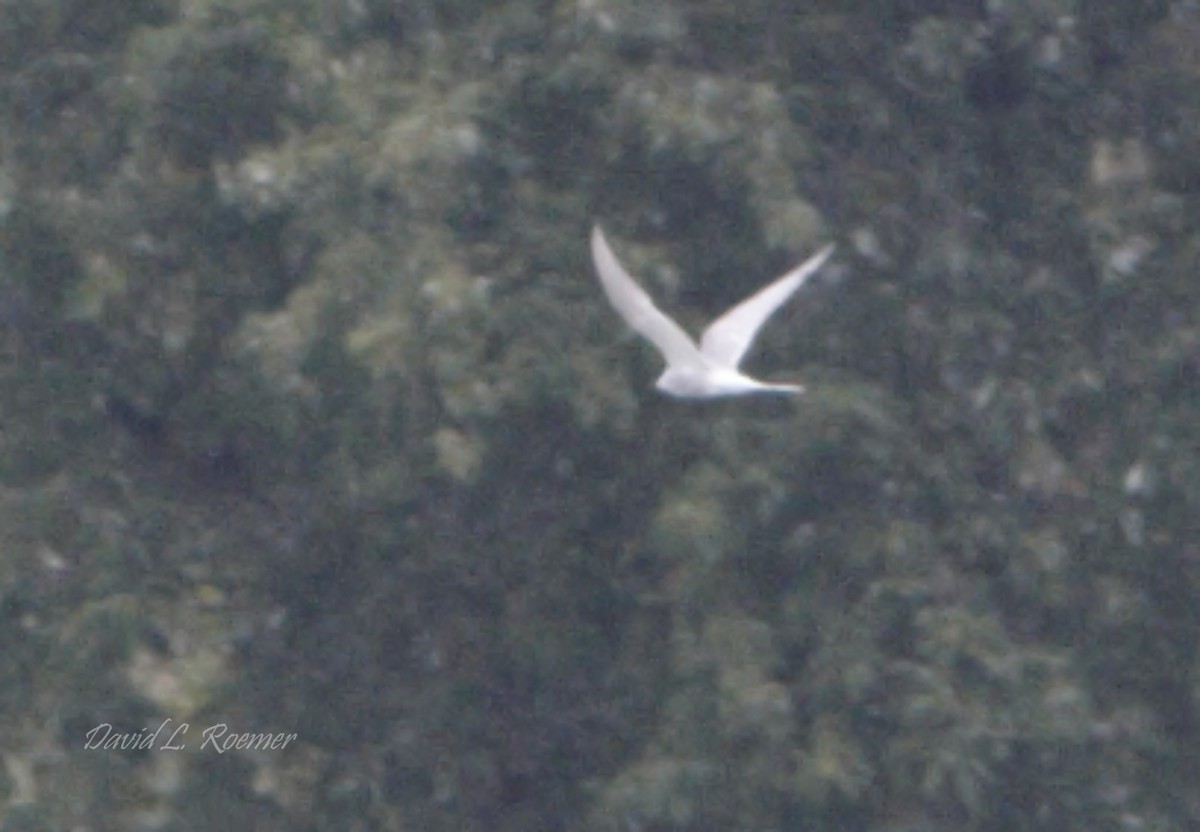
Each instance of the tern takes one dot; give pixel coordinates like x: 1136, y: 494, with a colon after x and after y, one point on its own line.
x: 710, y: 370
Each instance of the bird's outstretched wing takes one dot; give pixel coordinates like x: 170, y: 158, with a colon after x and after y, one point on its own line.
x: 729, y: 336
x: 639, y: 311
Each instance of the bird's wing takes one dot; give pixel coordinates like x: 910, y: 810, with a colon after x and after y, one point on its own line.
x: 639, y: 311
x: 729, y: 336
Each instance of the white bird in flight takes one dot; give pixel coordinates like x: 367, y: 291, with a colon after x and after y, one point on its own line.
x: 711, y: 369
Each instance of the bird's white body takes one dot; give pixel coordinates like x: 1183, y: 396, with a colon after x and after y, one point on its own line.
x: 712, y: 382
x: 709, y: 370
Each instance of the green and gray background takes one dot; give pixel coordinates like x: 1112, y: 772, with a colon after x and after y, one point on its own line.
x: 313, y: 418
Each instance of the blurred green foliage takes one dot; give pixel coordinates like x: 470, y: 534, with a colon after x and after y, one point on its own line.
x: 312, y: 419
